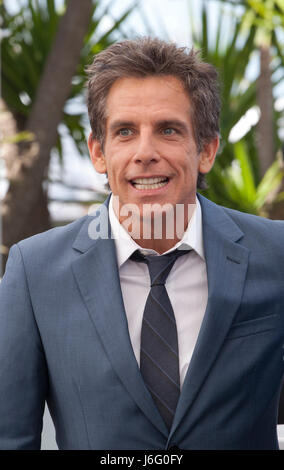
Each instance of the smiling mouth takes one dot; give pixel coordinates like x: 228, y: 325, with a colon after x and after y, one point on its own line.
x: 149, y: 183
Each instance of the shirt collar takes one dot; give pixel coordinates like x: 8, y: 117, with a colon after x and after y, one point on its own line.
x: 125, y: 245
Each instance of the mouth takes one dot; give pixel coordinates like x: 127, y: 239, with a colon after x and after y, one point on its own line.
x: 150, y: 183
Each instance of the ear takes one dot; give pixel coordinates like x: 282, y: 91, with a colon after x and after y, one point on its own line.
x: 207, y: 155
x: 96, y: 154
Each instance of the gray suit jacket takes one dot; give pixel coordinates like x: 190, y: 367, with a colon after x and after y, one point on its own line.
x: 64, y: 339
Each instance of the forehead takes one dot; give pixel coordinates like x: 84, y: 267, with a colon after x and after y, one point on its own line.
x: 156, y: 95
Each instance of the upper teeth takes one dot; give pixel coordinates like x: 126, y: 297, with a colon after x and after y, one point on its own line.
x: 148, y: 180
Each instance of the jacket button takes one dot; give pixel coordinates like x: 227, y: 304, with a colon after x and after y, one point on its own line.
x: 173, y: 448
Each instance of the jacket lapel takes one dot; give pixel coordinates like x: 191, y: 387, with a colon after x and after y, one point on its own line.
x: 97, y: 276
x: 226, y: 263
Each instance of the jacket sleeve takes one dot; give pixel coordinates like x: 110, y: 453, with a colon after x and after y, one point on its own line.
x: 23, y: 371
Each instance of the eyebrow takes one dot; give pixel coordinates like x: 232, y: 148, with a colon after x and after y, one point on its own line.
x: 118, y: 124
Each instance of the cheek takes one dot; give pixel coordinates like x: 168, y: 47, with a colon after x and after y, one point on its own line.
x: 189, y: 158
x: 115, y: 171
x: 190, y: 168
x: 118, y: 162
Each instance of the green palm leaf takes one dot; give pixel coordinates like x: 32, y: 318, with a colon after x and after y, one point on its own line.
x: 29, y: 35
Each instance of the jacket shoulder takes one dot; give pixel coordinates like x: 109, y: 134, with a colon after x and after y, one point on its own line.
x: 254, y: 230
x: 52, y: 242
x: 255, y: 223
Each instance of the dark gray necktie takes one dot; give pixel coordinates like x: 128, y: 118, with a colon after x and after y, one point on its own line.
x: 159, y: 355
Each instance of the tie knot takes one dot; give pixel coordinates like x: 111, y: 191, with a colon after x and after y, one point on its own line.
x: 159, y: 265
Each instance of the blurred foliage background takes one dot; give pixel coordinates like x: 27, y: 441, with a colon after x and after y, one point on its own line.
x: 248, y: 175
x: 45, y: 47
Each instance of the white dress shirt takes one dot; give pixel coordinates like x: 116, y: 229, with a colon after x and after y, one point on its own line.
x: 186, y: 285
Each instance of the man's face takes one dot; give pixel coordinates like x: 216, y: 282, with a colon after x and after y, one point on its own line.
x: 150, y: 154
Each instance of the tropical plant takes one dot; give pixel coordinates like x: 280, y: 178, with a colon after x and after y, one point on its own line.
x: 28, y: 35
x: 230, y: 48
x: 45, y: 52
x: 267, y: 16
x: 231, y: 58
x: 235, y: 186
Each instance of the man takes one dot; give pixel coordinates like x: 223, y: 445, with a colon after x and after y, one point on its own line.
x: 142, y: 337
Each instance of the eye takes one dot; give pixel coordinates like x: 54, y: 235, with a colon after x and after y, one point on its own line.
x: 169, y: 131
x: 125, y: 132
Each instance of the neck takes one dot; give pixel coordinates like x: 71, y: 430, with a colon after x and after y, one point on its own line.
x: 160, y: 246
x: 157, y: 230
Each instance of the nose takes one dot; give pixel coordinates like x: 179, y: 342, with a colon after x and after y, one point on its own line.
x: 146, y: 150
